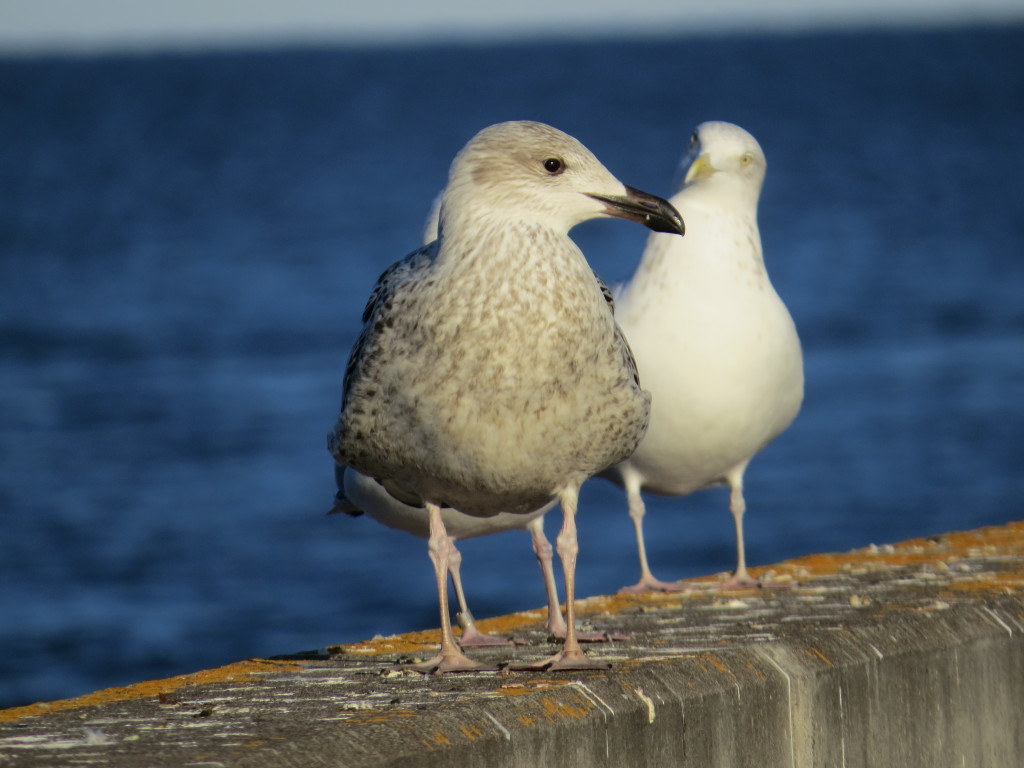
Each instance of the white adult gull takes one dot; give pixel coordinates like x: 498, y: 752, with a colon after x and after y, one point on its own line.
x: 490, y: 376
x: 713, y: 342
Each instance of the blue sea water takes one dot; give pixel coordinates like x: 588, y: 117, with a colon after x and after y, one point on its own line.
x: 187, y: 241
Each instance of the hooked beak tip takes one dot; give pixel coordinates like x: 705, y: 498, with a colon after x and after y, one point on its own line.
x: 653, y: 212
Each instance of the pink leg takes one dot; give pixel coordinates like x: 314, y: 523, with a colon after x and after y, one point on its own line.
x: 571, y: 656
x: 637, y: 510
x: 471, y: 636
x: 542, y: 549
x: 741, y: 578
x: 737, y: 505
x: 450, y: 659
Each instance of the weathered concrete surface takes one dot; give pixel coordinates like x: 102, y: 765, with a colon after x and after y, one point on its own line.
x: 905, y: 656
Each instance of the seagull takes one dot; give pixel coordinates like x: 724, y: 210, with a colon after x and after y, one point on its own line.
x: 713, y: 342
x: 490, y: 375
x: 359, y: 494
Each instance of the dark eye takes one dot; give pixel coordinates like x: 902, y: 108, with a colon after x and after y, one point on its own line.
x: 693, y: 140
x: 553, y: 165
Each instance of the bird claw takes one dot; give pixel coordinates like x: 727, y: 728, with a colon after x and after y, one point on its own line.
x: 474, y: 638
x: 455, y: 662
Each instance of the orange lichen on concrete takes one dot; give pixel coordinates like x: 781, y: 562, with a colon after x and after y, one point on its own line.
x: 616, y: 603
x: 412, y: 643
x: 818, y: 655
x: 507, y: 625
x: 557, y: 710
x: 1007, y: 540
x: 756, y: 672
x: 408, y: 643
x: 1004, y: 582
x: 716, y: 663
x: 151, y: 688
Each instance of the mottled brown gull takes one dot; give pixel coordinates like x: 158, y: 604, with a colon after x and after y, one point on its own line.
x: 490, y: 375
x: 713, y: 341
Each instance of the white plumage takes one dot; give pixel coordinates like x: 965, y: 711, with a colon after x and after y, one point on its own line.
x: 714, y: 343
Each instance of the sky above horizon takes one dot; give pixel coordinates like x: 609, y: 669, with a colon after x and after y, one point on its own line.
x: 67, y: 25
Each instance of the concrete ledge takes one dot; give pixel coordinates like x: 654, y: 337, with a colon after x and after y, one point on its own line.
x: 907, y: 655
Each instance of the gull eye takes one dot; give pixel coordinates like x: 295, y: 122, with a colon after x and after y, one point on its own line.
x: 554, y: 166
x: 747, y: 159
x: 694, y: 140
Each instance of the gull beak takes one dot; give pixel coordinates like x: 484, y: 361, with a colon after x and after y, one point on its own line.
x: 651, y: 211
x: 701, y: 168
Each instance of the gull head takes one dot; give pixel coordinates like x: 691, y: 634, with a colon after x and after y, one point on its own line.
x: 532, y: 173
x: 725, y: 156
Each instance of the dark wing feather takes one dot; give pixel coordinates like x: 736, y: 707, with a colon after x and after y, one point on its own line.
x: 380, y: 300
x: 627, y: 353
x: 375, y: 313
x: 606, y: 292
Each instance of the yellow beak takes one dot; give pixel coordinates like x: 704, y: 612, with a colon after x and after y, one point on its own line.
x: 701, y: 168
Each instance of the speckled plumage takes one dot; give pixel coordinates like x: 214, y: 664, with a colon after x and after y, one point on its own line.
x: 521, y: 340
x: 490, y: 375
